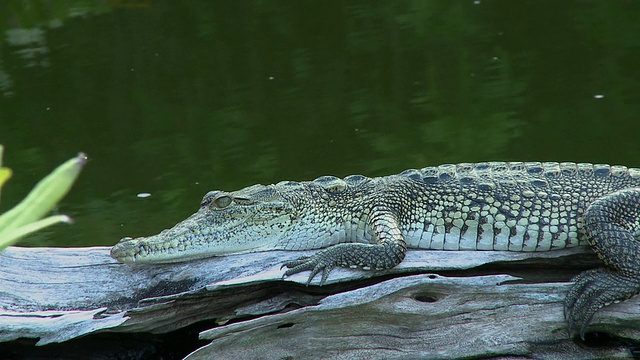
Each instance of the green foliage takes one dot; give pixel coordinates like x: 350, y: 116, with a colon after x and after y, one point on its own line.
x: 26, y: 217
x: 5, y: 173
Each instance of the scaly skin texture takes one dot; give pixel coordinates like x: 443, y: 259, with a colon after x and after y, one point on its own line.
x: 370, y: 222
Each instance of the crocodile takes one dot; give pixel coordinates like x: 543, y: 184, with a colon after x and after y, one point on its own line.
x: 369, y: 223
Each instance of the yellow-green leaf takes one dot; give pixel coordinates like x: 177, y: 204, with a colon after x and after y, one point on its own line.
x: 44, y: 196
x: 8, y: 238
x: 5, y: 174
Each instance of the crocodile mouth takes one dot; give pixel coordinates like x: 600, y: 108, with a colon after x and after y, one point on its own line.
x: 188, y: 242
x: 148, y: 249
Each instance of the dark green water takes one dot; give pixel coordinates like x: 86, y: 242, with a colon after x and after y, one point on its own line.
x: 177, y: 98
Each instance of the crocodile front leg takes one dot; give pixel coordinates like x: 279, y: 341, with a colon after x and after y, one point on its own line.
x: 387, y: 253
x: 611, y: 224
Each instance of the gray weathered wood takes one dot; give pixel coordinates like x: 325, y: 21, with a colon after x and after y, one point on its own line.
x: 422, y: 316
x: 58, y: 295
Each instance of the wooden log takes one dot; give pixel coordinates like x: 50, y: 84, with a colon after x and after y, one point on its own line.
x: 470, y: 308
x: 423, y: 316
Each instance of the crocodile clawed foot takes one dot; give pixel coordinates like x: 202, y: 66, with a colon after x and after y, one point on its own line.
x: 317, y: 263
x: 592, y: 290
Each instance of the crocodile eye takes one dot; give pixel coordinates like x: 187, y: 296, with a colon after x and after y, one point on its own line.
x: 222, y: 201
x: 206, y: 200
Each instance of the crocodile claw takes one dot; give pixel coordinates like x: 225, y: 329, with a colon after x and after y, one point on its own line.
x: 592, y: 290
x: 317, y: 263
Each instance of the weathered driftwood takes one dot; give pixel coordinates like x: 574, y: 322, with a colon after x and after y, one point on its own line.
x: 59, y: 295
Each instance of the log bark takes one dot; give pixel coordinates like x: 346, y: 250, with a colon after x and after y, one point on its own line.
x: 435, y: 304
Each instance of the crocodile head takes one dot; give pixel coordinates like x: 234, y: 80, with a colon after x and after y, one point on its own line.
x: 252, y: 219
x: 288, y: 215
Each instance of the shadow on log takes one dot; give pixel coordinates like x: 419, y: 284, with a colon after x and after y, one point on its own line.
x: 435, y: 304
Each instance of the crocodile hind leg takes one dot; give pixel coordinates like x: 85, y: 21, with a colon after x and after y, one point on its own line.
x: 611, y: 224
x: 387, y: 253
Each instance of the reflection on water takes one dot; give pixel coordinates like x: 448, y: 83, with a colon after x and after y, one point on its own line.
x: 29, y: 45
x: 175, y: 99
